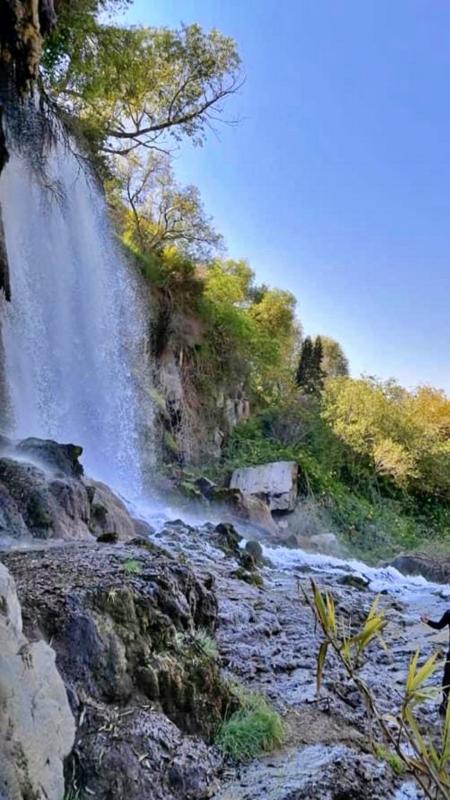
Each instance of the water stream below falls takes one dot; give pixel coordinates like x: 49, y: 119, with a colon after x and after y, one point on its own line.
x: 268, y: 642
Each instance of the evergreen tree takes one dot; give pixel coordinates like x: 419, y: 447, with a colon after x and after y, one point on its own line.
x: 310, y: 375
x: 303, y: 375
x: 318, y: 375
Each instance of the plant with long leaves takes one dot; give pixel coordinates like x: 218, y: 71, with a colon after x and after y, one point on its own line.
x: 427, y: 762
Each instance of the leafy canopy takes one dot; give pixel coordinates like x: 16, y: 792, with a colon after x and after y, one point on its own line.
x: 140, y: 86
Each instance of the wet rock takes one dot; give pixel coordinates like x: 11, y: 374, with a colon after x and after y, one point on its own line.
x: 108, y: 538
x: 276, y: 482
x: 114, y: 628
x: 12, y: 523
x: 354, y: 581
x: 40, y: 508
x: 322, y: 773
x: 205, y: 486
x: 142, y: 528
x: 35, y: 719
x: 257, y: 513
x: 255, y: 550
x: 431, y: 568
x: 62, y: 459
x: 227, y: 538
x: 108, y: 512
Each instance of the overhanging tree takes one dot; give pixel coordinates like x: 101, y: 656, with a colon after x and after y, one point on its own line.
x: 138, y: 87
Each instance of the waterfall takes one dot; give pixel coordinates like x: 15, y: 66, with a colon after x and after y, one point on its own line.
x: 73, y: 332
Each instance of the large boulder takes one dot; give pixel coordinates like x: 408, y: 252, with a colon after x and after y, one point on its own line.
x: 43, y: 495
x: 36, y: 722
x: 276, y: 483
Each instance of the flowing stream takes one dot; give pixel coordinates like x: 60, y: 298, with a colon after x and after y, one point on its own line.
x: 73, y: 333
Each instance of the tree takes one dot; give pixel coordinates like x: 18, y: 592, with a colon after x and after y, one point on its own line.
x: 309, y: 376
x: 138, y: 87
x: 334, y: 361
x: 405, y: 436
x: 162, y: 213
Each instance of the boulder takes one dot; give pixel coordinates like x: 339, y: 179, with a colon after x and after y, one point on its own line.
x: 62, y: 459
x: 275, y: 482
x: 256, y: 512
x: 326, y: 543
x: 46, y: 497
x: 37, y: 725
x: 40, y: 507
x: 108, y: 513
x: 432, y: 568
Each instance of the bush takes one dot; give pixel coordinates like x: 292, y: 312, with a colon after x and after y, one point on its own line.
x: 255, y: 728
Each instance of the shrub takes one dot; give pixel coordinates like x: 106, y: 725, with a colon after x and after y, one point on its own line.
x: 255, y: 728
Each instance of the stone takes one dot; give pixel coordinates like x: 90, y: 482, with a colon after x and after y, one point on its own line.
x: 354, y: 581
x: 276, y: 482
x: 48, y: 509
x: 60, y: 458
x: 257, y: 513
x: 255, y: 550
x: 205, y: 487
x: 108, y: 513
x: 34, y: 709
x: 432, y: 568
x: 326, y: 543
x: 227, y: 537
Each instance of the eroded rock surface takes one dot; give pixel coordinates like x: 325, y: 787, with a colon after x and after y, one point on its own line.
x: 37, y: 728
x: 122, y: 620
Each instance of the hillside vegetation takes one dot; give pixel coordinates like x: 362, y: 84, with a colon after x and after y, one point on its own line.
x: 374, y: 457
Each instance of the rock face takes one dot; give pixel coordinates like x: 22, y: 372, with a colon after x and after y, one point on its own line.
x: 276, y: 483
x: 43, y: 495
x: 123, y: 621
x: 37, y: 725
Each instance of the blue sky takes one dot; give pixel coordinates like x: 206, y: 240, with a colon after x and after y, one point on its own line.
x: 335, y: 184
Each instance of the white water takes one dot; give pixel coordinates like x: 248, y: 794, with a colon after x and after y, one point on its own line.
x: 74, y: 329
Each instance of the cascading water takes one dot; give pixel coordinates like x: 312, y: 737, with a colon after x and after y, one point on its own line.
x: 73, y: 333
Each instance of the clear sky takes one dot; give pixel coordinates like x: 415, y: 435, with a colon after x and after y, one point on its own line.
x: 336, y: 182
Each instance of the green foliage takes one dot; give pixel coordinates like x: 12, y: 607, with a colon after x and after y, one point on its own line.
x: 132, y: 567
x: 137, y: 86
x: 343, y: 486
x: 403, y: 436
x: 410, y: 749
x: 391, y: 758
x: 161, y: 213
x: 334, y: 361
x: 255, y: 728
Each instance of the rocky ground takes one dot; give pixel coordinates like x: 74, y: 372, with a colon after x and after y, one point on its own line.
x: 124, y: 613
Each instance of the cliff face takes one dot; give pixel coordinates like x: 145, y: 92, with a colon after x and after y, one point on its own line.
x: 24, y: 23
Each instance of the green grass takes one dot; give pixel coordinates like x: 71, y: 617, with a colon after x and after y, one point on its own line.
x: 255, y: 728
x: 132, y: 567
x: 199, y: 642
